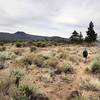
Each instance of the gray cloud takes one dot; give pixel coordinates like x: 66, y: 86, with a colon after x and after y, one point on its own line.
x: 48, y: 17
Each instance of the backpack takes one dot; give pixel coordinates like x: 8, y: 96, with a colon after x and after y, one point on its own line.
x: 85, y: 53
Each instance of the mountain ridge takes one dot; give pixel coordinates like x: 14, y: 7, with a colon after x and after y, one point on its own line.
x: 20, y: 35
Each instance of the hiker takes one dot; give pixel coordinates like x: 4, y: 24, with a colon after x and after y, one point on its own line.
x: 85, y: 55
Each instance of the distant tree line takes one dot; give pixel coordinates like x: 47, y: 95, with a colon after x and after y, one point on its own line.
x: 90, y: 37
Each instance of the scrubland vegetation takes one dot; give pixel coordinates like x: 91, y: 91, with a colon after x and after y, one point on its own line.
x: 48, y: 71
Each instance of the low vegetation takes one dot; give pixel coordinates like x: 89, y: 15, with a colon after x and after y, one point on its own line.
x: 33, y: 48
x: 17, y: 74
x: 90, y: 84
x: 29, y: 91
x: 47, y: 70
x: 18, y: 44
x: 95, y: 66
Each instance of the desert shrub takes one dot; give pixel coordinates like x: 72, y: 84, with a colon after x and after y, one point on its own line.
x: 87, y: 95
x: 68, y: 48
x: 18, y: 44
x: 4, y: 56
x: 33, y: 48
x: 90, y: 84
x: 62, y: 55
x: 46, y: 57
x: 40, y: 44
x: 95, y: 66
x: 2, y: 43
x: 24, y: 61
x: 2, y: 48
x: 19, y: 51
x: 28, y: 43
x: 7, y: 56
x: 5, y: 87
x: 52, y: 62
x: 24, y: 44
x: 80, y: 98
x: 29, y: 91
x: 65, y: 67
x: 2, y: 65
x: 60, y: 50
x: 45, y: 43
x: 17, y: 74
x: 38, y: 60
x: 77, y: 95
x: 2, y: 62
x: 28, y: 60
x: 73, y: 58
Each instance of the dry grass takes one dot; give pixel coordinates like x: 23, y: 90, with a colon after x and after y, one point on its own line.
x: 90, y: 84
x: 95, y: 66
x: 49, y: 72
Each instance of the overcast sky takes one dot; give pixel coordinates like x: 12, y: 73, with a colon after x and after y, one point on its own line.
x: 49, y: 17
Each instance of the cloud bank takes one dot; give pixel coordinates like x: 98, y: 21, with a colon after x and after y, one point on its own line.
x: 49, y: 17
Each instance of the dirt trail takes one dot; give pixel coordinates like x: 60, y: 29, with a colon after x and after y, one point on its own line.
x: 80, y: 72
x: 75, y: 84
x: 57, y: 90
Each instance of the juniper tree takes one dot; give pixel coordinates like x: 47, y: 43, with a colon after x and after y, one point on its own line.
x: 91, y: 35
x: 76, y: 37
x: 81, y: 37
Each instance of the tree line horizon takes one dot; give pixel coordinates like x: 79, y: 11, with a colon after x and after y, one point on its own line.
x: 91, y: 35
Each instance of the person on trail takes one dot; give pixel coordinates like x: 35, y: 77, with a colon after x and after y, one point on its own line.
x: 85, y: 55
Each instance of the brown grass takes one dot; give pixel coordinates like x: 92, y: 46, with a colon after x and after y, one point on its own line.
x: 56, y: 70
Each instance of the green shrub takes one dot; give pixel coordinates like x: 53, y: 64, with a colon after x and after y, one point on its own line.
x: 29, y: 92
x: 28, y: 60
x: 24, y: 61
x: 52, y: 62
x: 95, y: 66
x: 2, y: 48
x: 38, y: 60
x: 33, y: 48
x: 18, y: 52
x: 68, y: 68
x: 18, y: 44
x: 2, y: 43
x: 80, y: 98
x: 3, y: 57
x: 7, y: 56
x: 41, y: 44
x: 7, y: 89
x: 46, y: 57
x: 17, y: 74
x: 2, y: 66
x: 90, y: 84
x: 62, y: 55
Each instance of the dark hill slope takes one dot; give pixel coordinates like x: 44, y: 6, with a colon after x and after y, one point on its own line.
x: 23, y: 36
